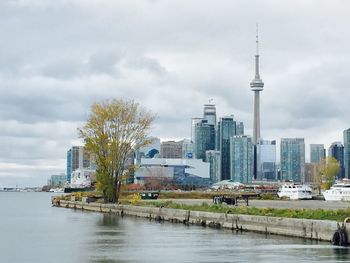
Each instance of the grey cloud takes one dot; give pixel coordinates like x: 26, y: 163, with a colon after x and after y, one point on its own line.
x: 57, y: 57
x: 104, y: 62
x: 150, y: 64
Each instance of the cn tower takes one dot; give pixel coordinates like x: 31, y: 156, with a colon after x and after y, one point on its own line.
x: 256, y: 85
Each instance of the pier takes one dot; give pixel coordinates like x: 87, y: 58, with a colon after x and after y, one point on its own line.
x: 303, y: 228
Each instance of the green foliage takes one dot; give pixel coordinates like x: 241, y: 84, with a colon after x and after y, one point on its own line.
x: 114, y: 130
x: 268, y: 196
x: 188, y: 194
x: 135, y: 199
x: 185, y: 195
x: 329, y: 169
x: 78, y: 196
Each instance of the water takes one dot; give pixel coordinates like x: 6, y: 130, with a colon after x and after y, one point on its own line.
x: 33, y: 231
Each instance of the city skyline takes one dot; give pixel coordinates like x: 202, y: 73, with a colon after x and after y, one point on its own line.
x: 56, y: 58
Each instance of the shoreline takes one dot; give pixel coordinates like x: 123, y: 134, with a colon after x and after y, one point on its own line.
x: 321, y: 230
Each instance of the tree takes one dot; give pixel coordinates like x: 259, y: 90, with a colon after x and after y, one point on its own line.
x: 114, y: 130
x: 329, y: 169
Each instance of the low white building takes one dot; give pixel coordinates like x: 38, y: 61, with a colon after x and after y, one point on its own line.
x: 194, y: 167
x: 175, y: 169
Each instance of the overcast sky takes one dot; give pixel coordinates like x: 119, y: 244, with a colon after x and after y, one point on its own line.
x: 57, y: 57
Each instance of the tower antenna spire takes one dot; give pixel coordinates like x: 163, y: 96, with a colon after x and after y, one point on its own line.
x: 257, y: 39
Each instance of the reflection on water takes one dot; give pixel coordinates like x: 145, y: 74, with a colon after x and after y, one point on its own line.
x: 42, y: 233
x: 137, y: 240
x: 109, y: 221
x: 342, y: 254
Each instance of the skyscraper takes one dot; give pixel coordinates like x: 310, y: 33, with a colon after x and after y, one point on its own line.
x: 317, y: 153
x: 256, y: 85
x: 225, y: 130
x: 266, y: 160
x: 69, y: 165
x: 209, y: 113
x: 346, y: 134
x: 336, y: 150
x: 77, y: 157
x: 239, y: 128
x: 213, y: 158
x: 194, y: 122
x: 293, y: 159
x: 242, y: 159
x: 204, y: 139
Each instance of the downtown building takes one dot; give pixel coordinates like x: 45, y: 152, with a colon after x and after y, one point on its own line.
x: 171, y: 149
x: 266, y: 160
x: 180, y: 172
x: 177, y: 149
x: 187, y: 149
x: 242, y: 161
x: 77, y: 158
x: 203, y: 133
x: 209, y: 113
x: 336, y: 150
x: 204, y: 139
x: 214, y: 159
x: 226, y: 128
x: 317, y: 153
x: 57, y: 180
x: 151, y: 150
x: 292, y: 159
x: 312, y: 173
x: 194, y: 122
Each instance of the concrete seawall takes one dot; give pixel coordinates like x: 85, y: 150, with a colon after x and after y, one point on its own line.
x: 304, y: 228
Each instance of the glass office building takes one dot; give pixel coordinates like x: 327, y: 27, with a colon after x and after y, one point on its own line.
x: 336, y: 150
x: 266, y: 160
x: 241, y: 159
x: 317, y: 153
x: 213, y: 158
x: 293, y: 159
x: 204, y: 139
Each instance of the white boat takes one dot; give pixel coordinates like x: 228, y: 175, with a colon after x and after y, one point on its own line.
x: 227, y: 185
x: 338, y: 192
x: 295, y: 191
x: 57, y: 190
x: 81, y: 180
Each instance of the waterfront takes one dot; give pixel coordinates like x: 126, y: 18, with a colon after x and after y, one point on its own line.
x: 279, y: 204
x: 33, y: 231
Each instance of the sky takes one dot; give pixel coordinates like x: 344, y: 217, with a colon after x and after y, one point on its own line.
x: 58, y: 57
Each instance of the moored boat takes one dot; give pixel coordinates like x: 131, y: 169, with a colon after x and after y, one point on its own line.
x: 77, y: 189
x: 57, y: 190
x: 80, y: 182
x: 295, y: 191
x: 338, y: 192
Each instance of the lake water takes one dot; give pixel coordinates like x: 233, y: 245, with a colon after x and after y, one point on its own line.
x: 33, y: 231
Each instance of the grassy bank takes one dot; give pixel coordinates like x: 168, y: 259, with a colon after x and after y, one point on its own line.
x: 125, y: 196
x: 318, y: 214
x: 134, y: 199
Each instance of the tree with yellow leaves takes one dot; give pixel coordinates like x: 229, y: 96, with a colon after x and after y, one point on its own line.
x: 329, y: 169
x: 114, y: 130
